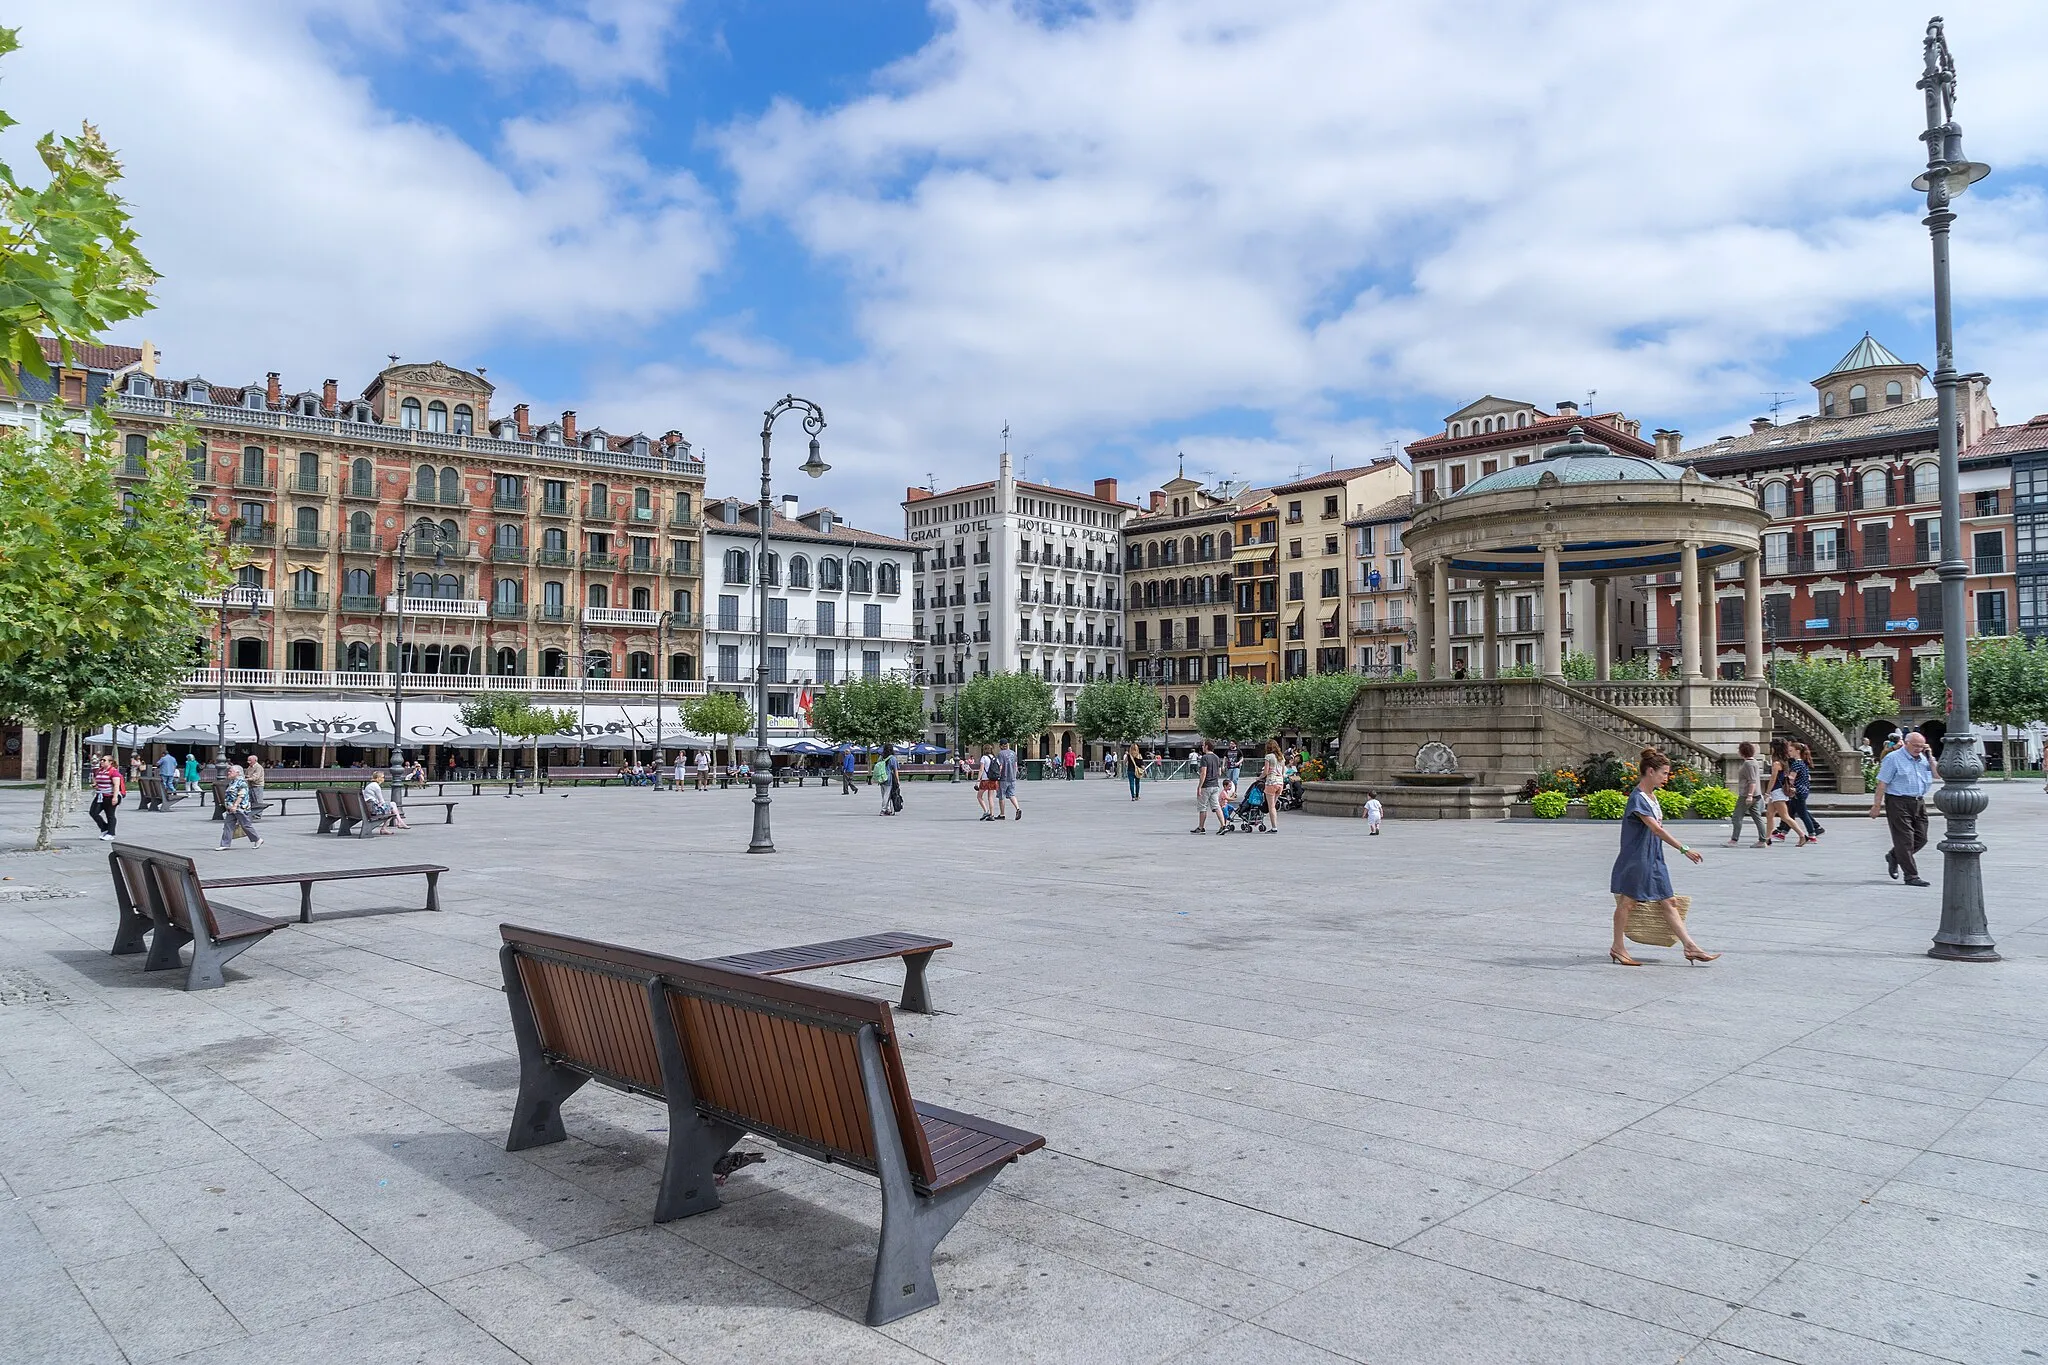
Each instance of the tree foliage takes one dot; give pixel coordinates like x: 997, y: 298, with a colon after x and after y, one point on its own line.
x: 1119, y: 710
x: 1314, y: 706
x: 514, y: 717
x: 869, y: 711
x: 1233, y: 709
x: 2008, y: 683
x: 69, y: 264
x: 995, y: 708
x: 719, y: 713
x: 1850, y: 692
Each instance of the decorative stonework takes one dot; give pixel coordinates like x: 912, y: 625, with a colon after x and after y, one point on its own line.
x: 1436, y: 757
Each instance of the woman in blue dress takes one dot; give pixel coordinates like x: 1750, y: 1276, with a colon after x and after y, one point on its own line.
x: 1639, y: 872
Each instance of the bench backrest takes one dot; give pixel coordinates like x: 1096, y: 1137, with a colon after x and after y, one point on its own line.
x: 129, y: 864
x: 328, y: 800
x: 177, y: 888
x: 351, y: 800
x: 778, y: 1058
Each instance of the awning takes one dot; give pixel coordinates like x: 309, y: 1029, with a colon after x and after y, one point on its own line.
x: 337, y: 720
x: 194, y: 715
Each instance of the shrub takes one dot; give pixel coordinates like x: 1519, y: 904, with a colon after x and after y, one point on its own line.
x: 1605, y: 773
x: 1549, y: 805
x: 1672, y: 804
x: 1713, y: 803
x: 1606, y: 804
x: 1685, y: 779
x: 1559, y: 780
x: 1869, y: 776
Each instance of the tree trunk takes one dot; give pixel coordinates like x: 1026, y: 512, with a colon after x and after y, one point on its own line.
x: 2004, y: 752
x: 52, y: 787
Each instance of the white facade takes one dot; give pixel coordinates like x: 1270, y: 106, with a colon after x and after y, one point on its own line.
x: 1018, y: 575
x: 838, y: 604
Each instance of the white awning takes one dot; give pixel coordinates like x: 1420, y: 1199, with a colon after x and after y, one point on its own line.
x: 193, y: 714
x: 333, y: 718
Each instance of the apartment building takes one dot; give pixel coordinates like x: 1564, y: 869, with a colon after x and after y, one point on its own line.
x: 1315, y: 562
x: 1177, y: 578
x: 1378, y: 604
x: 1255, y: 581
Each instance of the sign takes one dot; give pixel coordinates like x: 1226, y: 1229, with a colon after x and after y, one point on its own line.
x: 1817, y: 623
x: 1905, y: 623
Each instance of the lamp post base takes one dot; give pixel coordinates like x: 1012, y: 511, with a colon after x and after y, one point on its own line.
x: 763, y: 841
x: 1965, y: 933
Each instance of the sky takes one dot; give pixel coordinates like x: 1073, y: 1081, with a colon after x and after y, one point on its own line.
x: 1264, y: 236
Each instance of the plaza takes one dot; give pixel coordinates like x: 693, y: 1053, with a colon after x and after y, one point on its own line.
x: 1310, y: 1097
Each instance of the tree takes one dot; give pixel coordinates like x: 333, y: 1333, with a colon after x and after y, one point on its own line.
x: 1119, y: 710
x: 2008, y: 685
x: 1229, y: 709
x: 1314, y: 706
x: 995, y: 708
x: 516, y: 717
x: 719, y: 713
x: 1579, y: 666
x: 872, y: 712
x: 69, y: 265
x: 1850, y: 692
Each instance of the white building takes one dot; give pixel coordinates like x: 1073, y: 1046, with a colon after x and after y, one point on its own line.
x: 837, y: 605
x: 1016, y: 575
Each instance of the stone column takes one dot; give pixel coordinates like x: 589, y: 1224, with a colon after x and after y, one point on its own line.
x: 1603, y: 629
x: 1425, y: 619
x: 1440, y: 615
x: 1753, y: 616
x: 1710, y: 632
x: 1490, y: 665
x: 1688, y: 610
x: 1553, y: 616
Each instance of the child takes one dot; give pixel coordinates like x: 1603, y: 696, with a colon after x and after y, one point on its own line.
x: 1372, y: 812
x: 1229, y: 797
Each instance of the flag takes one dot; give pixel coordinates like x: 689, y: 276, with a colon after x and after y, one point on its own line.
x: 803, y: 704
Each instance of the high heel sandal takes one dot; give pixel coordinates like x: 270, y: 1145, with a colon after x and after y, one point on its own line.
x: 1622, y: 959
x: 1691, y: 956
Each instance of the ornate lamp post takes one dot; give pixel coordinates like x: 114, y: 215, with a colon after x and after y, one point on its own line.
x: 1964, y: 935
x: 814, y: 422
x: 660, y: 682
x: 398, y: 663
x: 229, y: 597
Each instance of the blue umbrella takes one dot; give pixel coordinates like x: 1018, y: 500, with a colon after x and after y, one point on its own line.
x: 924, y: 750
x: 810, y: 749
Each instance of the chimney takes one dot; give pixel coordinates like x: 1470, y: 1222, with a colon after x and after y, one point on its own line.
x: 273, y: 391
x: 916, y: 494
x: 789, y: 505
x: 1158, y: 501
x: 519, y: 415
x: 150, y: 356
x: 330, y: 396
x: 1667, y: 443
x: 1567, y: 408
x: 569, y: 427
x: 1105, y: 490
x: 1759, y: 424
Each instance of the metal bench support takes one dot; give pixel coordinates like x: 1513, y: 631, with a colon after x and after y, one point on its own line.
x: 913, y: 1224
x: 543, y: 1085
x: 689, y: 1179
x: 915, y: 997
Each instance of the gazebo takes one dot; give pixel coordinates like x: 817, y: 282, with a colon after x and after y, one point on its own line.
x: 1462, y: 745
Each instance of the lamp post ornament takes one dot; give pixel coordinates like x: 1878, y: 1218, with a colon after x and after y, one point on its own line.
x: 1964, y: 934
x: 814, y: 422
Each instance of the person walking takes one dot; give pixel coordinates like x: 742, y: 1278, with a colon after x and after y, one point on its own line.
x: 1903, y: 781
x: 1374, y: 812
x: 1134, y: 769
x: 192, y: 770
x: 1067, y: 761
x: 252, y: 773
x: 1006, y: 780
x: 1273, y: 776
x: 1233, y: 761
x: 167, y: 770
x: 888, y: 766
x: 846, y: 771
x: 985, y: 784
x: 703, y: 770
x: 107, y: 790
x: 1209, y: 772
x: 1802, y: 787
x: 1749, y: 793
x: 1778, y: 800
x: 1640, y: 876
x: 235, y: 811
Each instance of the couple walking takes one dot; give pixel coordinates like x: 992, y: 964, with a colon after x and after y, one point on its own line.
x: 996, y: 783
x: 1210, y: 773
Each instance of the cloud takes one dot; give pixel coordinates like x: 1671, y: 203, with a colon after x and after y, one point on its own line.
x: 299, y: 225
x: 594, y: 43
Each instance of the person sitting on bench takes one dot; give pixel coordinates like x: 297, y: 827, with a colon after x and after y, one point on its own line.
x: 379, y: 807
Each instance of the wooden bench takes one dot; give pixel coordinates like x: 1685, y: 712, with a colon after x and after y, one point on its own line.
x: 342, y: 812
x: 915, y: 949
x: 220, y: 800
x: 180, y: 913
x: 431, y: 871
x: 817, y: 1071
x: 930, y: 772
x: 156, y: 794
x: 512, y: 786
x: 597, y: 775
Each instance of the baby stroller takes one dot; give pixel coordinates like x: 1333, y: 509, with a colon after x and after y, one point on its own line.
x: 1290, y: 794
x: 1249, y: 811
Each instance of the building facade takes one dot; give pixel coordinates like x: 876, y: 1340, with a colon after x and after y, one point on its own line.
x: 1851, y: 554
x: 838, y: 605
x: 2024, y: 447
x: 1177, y: 579
x: 1315, y: 561
x: 1378, y: 604
x: 1017, y: 575
x: 1255, y: 580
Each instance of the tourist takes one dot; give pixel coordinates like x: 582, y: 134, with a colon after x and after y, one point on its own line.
x: 985, y: 784
x: 1273, y: 776
x: 703, y: 770
x: 1006, y: 780
x: 1749, y: 791
x: 1802, y: 786
x: 1903, y: 781
x: 167, y: 770
x: 1778, y: 800
x: 234, y: 811
x: 888, y: 772
x: 1208, y: 789
x: 191, y: 770
x: 1067, y: 761
x: 380, y: 807
x: 1134, y: 766
x: 1640, y: 876
x: 135, y: 769
x: 1374, y: 812
x: 107, y: 789
x: 1233, y: 760
x: 252, y: 773
x: 681, y: 777
x: 846, y: 762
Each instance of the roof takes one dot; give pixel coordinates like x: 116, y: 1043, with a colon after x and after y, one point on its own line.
x: 1868, y: 354
x: 1052, y: 489
x: 1603, y: 425
x: 1577, y: 461
x: 91, y: 356
x: 782, y: 528
x: 2017, y: 439
x: 1488, y: 401
x: 1393, y: 509
x: 1918, y: 415
x: 1333, y: 478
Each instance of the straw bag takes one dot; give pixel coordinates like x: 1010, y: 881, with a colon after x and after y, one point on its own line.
x: 1646, y: 923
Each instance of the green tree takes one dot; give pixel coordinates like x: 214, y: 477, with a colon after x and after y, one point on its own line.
x: 1850, y: 692
x: 69, y: 264
x: 517, y: 718
x: 1233, y: 709
x: 1314, y: 707
x: 1579, y: 666
x: 1119, y: 710
x: 719, y: 713
x: 2008, y: 685
x: 869, y: 711
x: 994, y: 708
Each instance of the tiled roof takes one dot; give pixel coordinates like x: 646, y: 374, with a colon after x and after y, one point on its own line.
x: 1918, y: 415
x: 1333, y: 478
x: 1032, y: 487
x: 782, y: 527
x: 1865, y: 355
x: 1393, y: 509
x: 89, y: 356
x: 1604, y: 426
x: 2031, y: 434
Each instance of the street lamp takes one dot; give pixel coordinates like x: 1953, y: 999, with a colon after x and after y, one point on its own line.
x: 398, y: 663
x: 582, y: 692
x: 229, y: 597
x: 814, y: 422
x: 1964, y: 935
x: 660, y: 663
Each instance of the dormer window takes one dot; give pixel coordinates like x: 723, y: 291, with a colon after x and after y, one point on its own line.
x: 196, y: 392
x: 309, y: 406
x: 640, y: 445
x: 138, y: 384
x: 409, y: 414
x: 253, y: 400
x: 360, y: 413
x: 1457, y: 428
x: 465, y: 419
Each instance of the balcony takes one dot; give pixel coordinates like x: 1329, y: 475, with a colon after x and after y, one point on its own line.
x: 237, y: 597
x: 361, y: 602
x: 508, y: 554
x: 206, y: 679
x: 362, y: 489
x: 640, y: 564
x: 1991, y: 625
x: 982, y: 557
x: 508, y: 611
x: 556, y: 507
x: 258, y: 533
x: 682, y: 568
x: 359, y: 543
x: 554, y: 559
x: 1989, y: 564
x: 600, y: 559
x: 647, y: 516
x: 255, y: 478
x: 434, y: 606
x: 305, y: 540
x: 426, y: 497
x: 682, y: 518
x: 602, y: 509
x: 552, y: 611
x: 314, y: 484
x: 504, y: 501
x: 620, y: 616
x: 295, y: 600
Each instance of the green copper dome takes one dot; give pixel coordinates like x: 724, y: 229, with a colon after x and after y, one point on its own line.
x: 1577, y: 461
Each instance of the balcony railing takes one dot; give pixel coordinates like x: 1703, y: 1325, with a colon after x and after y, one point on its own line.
x: 305, y: 540
x: 554, y: 611
x: 559, y: 559
x: 431, y: 497
x: 508, y: 611
x: 508, y: 554
x: 600, y: 559
x: 255, y: 478
x: 435, y: 606
x: 504, y: 501
x: 1991, y: 625
x: 682, y: 568
x: 313, y: 483
x: 206, y: 679
x: 640, y: 564
x: 360, y: 488
x: 682, y: 519
x: 602, y: 509
x: 361, y: 602
x: 1989, y: 564
x: 556, y: 507
x: 620, y: 616
x: 237, y: 597
x: 295, y: 600
x: 258, y: 533
x: 642, y: 514
x: 360, y: 542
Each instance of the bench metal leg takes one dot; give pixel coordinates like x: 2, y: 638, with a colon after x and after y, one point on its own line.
x: 689, y: 1181
x: 543, y: 1085
x: 451, y: 814
x: 915, y: 996
x: 326, y: 825
x: 209, y: 960
x: 133, y: 934
x: 433, y: 891
x: 305, y: 902
x: 163, y: 947
x: 913, y: 1224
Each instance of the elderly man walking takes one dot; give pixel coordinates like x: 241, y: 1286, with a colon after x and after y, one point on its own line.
x: 1903, y: 781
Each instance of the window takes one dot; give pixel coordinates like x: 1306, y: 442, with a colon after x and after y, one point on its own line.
x: 465, y: 420
x: 1873, y: 486
x: 451, y: 486
x: 1294, y: 511
x: 437, y: 416
x: 1774, y: 499
x: 554, y: 663
x: 1927, y: 605
x: 825, y: 665
x: 771, y: 569
x: 252, y: 466
x: 799, y: 571
x: 2034, y: 606
x: 828, y: 618
x: 888, y: 579
x: 1294, y: 586
x: 1825, y: 555
x: 871, y: 663
x: 728, y: 663
x: 1775, y: 543
x: 1332, y: 585
x: 1894, y: 393
x: 356, y: 658
x: 1457, y: 477
x: 1991, y: 613
x: 1926, y: 483
x: 598, y: 596
x: 829, y: 575
x: 359, y: 583
x: 643, y: 505
x: 424, y: 486
x: 1987, y: 553
x: 679, y: 603
x: 639, y: 664
x: 1821, y: 494
x: 409, y: 414
x: 1859, y: 399
x: 871, y: 621
x: 508, y: 592
x: 1827, y: 404
x: 1428, y: 484
x: 778, y: 615
x: 728, y: 611
x: 1330, y: 506
x: 1294, y: 549
x: 1877, y: 609
x: 643, y: 599
x: 736, y: 566
x: 860, y: 576
x: 551, y: 597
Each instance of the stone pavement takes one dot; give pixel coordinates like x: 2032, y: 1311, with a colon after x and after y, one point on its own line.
x: 1308, y: 1097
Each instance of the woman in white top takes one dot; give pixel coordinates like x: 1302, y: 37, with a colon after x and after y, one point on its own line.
x: 1273, y: 774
